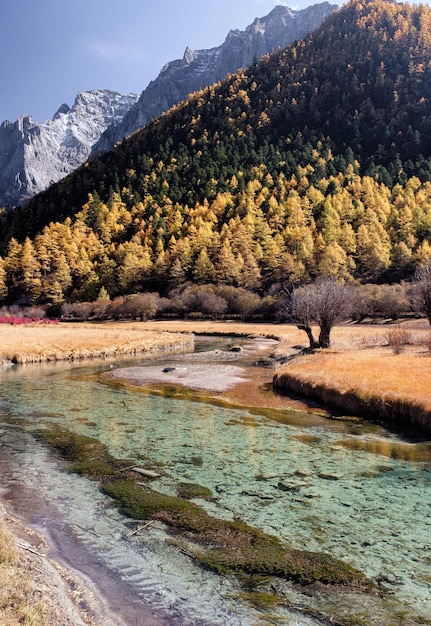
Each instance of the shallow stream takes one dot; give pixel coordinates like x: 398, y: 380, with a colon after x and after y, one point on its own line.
x: 353, y: 490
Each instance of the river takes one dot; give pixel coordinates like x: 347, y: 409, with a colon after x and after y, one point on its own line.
x: 351, y: 489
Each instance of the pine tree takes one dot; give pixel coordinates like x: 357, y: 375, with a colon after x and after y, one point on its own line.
x: 203, y: 270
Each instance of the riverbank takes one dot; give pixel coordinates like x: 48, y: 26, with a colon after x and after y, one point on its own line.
x: 36, y: 589
x: 360, y: 375
x: 34, y: 343
x: 368, y: 379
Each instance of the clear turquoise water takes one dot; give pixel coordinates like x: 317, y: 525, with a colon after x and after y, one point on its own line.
x: 302, y: 484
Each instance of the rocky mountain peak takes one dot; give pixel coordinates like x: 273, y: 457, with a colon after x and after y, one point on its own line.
x: 200, y: 68
x: 65, y: 108
x: 189, y: 56
x: 33, y: 155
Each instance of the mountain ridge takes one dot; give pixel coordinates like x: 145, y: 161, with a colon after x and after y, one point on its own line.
x: 315, y: 160
x: 27, y: 169
x: 34, y: 155
x: 201, y: 68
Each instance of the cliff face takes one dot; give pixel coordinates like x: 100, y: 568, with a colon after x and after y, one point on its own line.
x: 33, y: 155
x: 200, y: 68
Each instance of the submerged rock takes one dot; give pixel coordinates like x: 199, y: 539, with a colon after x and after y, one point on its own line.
x: 330, y: 476
x: 284, y: 485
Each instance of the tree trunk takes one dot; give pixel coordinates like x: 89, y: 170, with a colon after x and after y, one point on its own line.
x: 307, y: 329
x: 324, y: 336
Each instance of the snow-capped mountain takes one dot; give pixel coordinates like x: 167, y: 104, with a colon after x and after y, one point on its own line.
x: 200, y: 68
x: 33, y: 155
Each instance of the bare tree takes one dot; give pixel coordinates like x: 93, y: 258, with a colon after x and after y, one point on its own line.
x: 301, y: 311
x: 420, y: 293
x: 324, y: 303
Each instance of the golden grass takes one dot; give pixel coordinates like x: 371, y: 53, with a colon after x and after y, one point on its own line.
x: 361, y: 371
x: 375, y: 371
x: 26, y: 595
x: 359, y: 360
x: 83, y: 340
x: 360, y: 363
x: 241, y: 329
x: 78, y: 341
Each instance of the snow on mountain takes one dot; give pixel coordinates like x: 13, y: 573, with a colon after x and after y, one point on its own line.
x: 33, y: 155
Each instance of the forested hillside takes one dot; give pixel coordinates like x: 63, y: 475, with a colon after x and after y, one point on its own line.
x: 315, y: 161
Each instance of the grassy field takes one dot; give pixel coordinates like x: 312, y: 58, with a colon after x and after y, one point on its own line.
x: 360, y: 357
x: 360, y: 364
x: 362, y: 374
x: 32, y: 343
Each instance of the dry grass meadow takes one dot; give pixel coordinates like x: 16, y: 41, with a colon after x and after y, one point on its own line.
x: 33, y: 343
x: 362, y: 364
x: 376, y: 370
x: 360, y: 357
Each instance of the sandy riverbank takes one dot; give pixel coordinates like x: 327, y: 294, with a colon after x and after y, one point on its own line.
x: 193, y: 376
x: 37, y: 590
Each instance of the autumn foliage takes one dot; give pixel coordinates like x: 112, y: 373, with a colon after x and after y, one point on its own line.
x: 315, y: 161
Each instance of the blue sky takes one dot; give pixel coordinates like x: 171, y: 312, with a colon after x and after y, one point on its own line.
x: 51, y: 49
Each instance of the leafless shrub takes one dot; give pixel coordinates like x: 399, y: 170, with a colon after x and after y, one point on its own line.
x: 35, y: 312
x: 78, y: 311
x: 240, y: 301
x: 398, y: 339
x: 198, y: 299
x: 379, y: 301
x: 139, y: 305
x: 420, y: 292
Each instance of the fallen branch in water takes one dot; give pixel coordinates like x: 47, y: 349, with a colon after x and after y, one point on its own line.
x: 133, y: 532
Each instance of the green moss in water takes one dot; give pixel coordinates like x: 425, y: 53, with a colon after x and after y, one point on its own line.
x: 72, y: 446
x: 193, y: 490
x: 88, y: 455
x: 95, y: 468
x: 266, y: 557
x: 260, y: 599
x: 139, y: 502
x: 229, y: 547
